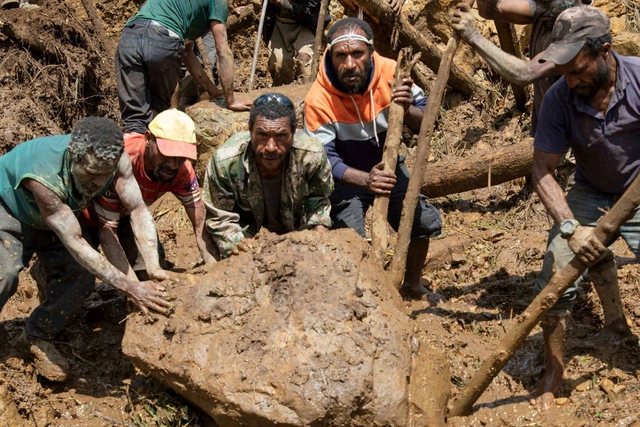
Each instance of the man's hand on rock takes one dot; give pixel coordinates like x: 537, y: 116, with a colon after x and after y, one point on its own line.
x: 464, y: 22
x: 243, y: 245
x: 402, y: 94
x: 381, y: 181
x: 587, y: 247
x: 149, y: 295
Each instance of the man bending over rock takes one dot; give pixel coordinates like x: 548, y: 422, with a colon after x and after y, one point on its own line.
x: 271, y: 176
x: 44, y: 184
x: 160, y: 160
x: 347, y: 109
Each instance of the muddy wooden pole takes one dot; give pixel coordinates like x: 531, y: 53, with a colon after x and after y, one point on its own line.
x: 257, y: 46
x: 524, y: 324
x: 98, y: 27
x: 204, y: 55
x: 317, y: 45
x: 399, y: 262
x: 390, y: 155
x: 508, y: 44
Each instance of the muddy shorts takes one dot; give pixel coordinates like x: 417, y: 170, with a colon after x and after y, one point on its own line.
x: 148, y: 61
x: 68, y: 283
x: 587, y: 205
x: 349, y: 205
x: 287, y: 41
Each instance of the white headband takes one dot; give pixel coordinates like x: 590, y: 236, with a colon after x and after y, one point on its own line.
x: 350, y: 37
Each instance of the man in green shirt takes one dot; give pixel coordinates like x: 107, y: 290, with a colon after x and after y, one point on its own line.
x: 152, y: 47
x: 44, y: 184
x: 271, y: 176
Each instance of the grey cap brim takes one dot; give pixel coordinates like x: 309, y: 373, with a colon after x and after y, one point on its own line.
x: 561, y: 53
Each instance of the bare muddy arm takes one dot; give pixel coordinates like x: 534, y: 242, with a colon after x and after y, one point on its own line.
x: 61, y: 220
x: 206, y: 246
x: 513, y: 69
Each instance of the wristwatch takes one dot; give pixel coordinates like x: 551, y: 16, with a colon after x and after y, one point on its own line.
x: 568, y: 227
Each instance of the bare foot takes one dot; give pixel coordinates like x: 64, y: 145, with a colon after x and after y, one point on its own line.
x: 617, y: 332
x: 544, y: 395
x: 420, y: 292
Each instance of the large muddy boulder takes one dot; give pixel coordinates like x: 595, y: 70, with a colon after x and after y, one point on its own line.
x: 303, y: 331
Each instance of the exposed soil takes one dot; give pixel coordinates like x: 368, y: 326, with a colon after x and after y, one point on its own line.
x: 483, y: 265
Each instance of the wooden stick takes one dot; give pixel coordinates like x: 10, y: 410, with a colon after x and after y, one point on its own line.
x: 257, y: 47
x: 206, y: 64
x: 508, y: 44
x: 525, y: 322
x: 398, y: 264
x: 317, y: 45
x: 98, y: 27
x: 390, y: 155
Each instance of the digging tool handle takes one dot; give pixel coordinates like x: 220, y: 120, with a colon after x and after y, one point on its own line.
x: 523, y: 325
x: 398, y: 265
x: 390, y: 156
x: 257, y: 47
x: 317, y: 45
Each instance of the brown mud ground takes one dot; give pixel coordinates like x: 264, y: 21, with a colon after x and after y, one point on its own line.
x: 483, y: 265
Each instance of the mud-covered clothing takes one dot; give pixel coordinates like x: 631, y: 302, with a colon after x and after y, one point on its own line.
x: 302, y: 12
x: 24, y: 232
x: 606, y: 147
x: 149, y: 55
x: 233, y: 193
x: 587, y: 205
x: 287, y: 42
x: 68, y: 283
x: 108, y: 208
x: 188, y: 19
x: 353, y: 127
x: 47, y: 161
x: 539, y: 41
x: 607, y: 155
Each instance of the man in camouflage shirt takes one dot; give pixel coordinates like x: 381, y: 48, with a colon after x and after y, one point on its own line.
x: 271, y: 176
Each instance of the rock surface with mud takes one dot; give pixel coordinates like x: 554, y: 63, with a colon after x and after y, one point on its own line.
x: 304, y: 331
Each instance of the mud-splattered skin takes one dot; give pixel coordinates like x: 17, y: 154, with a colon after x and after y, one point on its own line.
x: 60, y: 219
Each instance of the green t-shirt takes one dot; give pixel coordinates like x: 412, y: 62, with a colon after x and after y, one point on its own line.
x: 45, y: 160
x: 187, y: 18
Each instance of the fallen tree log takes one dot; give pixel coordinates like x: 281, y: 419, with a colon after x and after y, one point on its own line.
x: 306, y: 330
x: 496, y: 167
x: 380, y: 11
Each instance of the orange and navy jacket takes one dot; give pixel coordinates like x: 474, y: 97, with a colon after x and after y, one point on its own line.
x: 353, y: 127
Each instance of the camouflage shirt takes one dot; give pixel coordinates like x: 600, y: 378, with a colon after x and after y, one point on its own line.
x: 233, y: 194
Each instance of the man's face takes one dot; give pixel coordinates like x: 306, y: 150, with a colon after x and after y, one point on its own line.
x: 351, y: 61
x: 91, y: 174
x: 163, y: 168
x: 271, y: 141
x: 586, y: 74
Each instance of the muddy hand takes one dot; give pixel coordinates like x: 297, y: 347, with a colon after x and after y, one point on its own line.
x: 396, y: 5
x: 162, y: 274
x: 586, y: 245
x: 464, y: 22
x: 402, y: 94
x: 243, y: 245
x: 381, y: 181
x: 149, y: 295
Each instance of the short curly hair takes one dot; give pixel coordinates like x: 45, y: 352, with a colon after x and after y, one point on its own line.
x: 97, y: 135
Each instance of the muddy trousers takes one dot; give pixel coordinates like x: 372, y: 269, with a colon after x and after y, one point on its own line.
x: 68, y: 283
x: 587, y: 205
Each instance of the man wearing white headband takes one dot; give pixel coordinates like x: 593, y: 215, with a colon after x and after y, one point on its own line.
x: 347, y: 108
